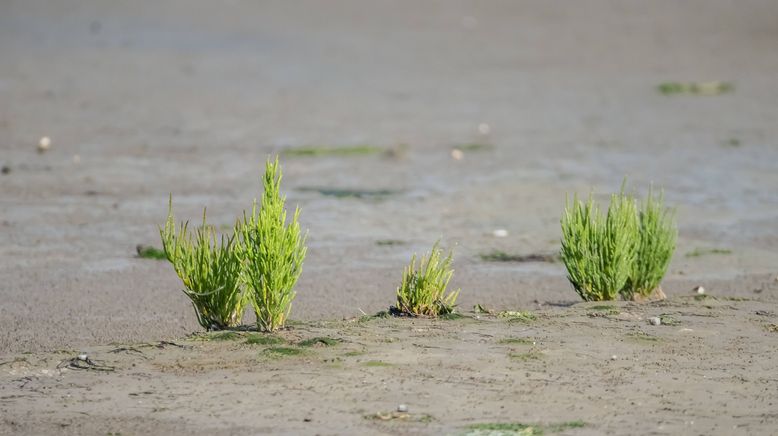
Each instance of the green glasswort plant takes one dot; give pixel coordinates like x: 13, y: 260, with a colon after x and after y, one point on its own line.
x: 210, y: 270
x: 656, y: 244
x: 423, y: 288
x: 273, y: 253
x: 599, y: 251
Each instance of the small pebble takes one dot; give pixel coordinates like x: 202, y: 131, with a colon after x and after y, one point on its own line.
x: 484, y: 129
x: 614, y: 357
x: 655, y: 320
x: 6, y: 169
x: 402, y: 408
x: 83, y: 357
x: 457, y: 154
x: 699, y: 290
x: 500, y: 233
x: 44, y: 144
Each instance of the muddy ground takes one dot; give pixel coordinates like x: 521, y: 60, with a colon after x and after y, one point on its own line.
x: 190, y: 98
x: 587, y: 369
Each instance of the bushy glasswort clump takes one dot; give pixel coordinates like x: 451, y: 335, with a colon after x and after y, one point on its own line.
x: 423, y: 287
x: 624, y: 252
x: 210, y: 270
x: 259, y: 263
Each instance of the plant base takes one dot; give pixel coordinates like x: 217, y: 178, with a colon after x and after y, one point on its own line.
x: 656, y: 295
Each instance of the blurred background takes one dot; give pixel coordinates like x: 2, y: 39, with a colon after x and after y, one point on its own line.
x: 397, y: 123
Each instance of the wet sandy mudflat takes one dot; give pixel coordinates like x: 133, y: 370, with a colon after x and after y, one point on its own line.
x: 190, y: 98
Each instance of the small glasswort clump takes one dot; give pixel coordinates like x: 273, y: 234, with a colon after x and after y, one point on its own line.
x: 423, y: 288
x: 273, y: 252
x: 210, y: 270
x: 599, y: 251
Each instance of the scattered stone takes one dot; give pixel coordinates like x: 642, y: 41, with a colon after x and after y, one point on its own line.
x: 614, y: 357
x: 699, y: 290
x: 500, y: 233
x: 402, y: 408
x: 484, y: 129
x: 83, y: 357
x: 655, y: 320
x: 6, y: 169
x: 44, y: 144
x: 457, y: 154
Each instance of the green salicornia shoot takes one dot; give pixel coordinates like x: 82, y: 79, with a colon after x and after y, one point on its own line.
x: 423, y: 287
x: 658, y: 234
x: 272, y: 251
x: 209, y: 268
x: 599, y: 250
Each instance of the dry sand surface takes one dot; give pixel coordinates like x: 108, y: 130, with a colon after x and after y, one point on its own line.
x: 144, y: 99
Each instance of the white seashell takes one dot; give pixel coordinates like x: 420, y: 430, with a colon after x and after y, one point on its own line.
x: 44, y: 144
x: 655, y: 320
x: 402, y: 408
x: 500, y: 233
x: 700, y: 290
x: 83, y: 357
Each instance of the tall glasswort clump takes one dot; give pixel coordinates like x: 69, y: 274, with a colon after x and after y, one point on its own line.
x: 272, y: 251
x: 656, y: 244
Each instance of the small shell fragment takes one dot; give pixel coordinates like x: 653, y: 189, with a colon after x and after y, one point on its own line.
x: 402, y: 408
x: 44, y: 144
x: 83, y: 357
x: 699, y: 290
x: 655, y: 320
x: 500, y: 233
